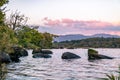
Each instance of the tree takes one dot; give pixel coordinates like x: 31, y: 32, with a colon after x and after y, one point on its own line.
x: 29, y: 38
x: 2, y: 2
x: 16, y: 20
x: 2, y: 15
x: 47, y: 40
x: 7, y: 39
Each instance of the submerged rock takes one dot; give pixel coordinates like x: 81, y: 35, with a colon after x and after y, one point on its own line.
x: 93, y: 54
x: 41, y: 55
x: 4, y: 58
x: 69, y: 55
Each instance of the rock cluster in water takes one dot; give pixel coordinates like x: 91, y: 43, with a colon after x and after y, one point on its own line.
x: 14, y: 56
x: 38, y: 53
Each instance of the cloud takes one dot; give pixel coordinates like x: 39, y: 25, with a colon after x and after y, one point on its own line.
x: 70, y: 26
x: 49, y: 22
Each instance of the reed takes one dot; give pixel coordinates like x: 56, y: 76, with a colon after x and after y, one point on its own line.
x: 112, y: 76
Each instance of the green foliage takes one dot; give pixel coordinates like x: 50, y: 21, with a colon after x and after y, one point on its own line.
x: 2, y: 2
x: 18, y: 34
x: 91, y: 42
x: 92, y: 51
x: 3, y: 71
x: 112, y: 77
x: 25, y: 36
x: 1, y: 18
x: 31, y: 38
x: 47, y: 40
x: 7, y: 39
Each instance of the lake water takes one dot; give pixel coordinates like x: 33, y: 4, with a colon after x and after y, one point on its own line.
x: 57, y: 69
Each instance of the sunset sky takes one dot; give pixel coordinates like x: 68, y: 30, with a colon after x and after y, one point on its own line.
x: 71, y: 16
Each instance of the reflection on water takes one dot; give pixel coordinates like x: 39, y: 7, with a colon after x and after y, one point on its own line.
x: 57, y: 69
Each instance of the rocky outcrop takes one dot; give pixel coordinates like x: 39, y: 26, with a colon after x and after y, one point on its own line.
x: 21, y: 52
x: 14, y: 57
x: 93, y: 54
x: 17, y: 53
x: 41, y: 55
x: 69, y: 55
x: 4, y: 58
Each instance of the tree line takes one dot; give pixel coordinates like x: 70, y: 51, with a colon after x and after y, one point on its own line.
x: 90, y: 42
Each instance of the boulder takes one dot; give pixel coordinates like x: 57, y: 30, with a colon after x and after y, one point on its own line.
x: 36, y: 51
x: 104, y: 57
x: 46, y: 52
x: 20, y: 51
x: 69, y: 55
x: 93, y: 54
x: 14, y: 57
x: 41, y: 51
x: 23, y: 53
x: 4, y: 58
x: 17, y: 53
x: 41, y: 55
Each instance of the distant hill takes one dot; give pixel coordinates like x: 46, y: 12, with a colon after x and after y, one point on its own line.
x: 70, y: 37
x: 79, y: 37
x: 89, y: 42
x: 105, y: 36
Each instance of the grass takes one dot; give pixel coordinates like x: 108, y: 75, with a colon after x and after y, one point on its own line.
x: 112, y: 76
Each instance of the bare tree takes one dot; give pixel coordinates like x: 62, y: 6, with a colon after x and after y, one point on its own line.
x: 16, y: 20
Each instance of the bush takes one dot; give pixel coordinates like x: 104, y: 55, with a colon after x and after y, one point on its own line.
x: 3, y: 71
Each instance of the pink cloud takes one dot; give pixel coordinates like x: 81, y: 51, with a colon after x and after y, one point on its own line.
x: 96, y: 23
x: 80, y: 26
x: 69, y: 22
x: 114, y: 32
x: 50, y: 22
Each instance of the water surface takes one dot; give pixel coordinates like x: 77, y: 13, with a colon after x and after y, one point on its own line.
x: 56, y: 68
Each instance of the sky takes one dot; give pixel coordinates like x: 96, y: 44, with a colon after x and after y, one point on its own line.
x: 71, y: 16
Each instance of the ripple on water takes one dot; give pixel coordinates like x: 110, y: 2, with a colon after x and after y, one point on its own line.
x: 57, y: 69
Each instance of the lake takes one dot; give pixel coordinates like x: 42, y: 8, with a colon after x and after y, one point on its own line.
x: 56, y: 68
